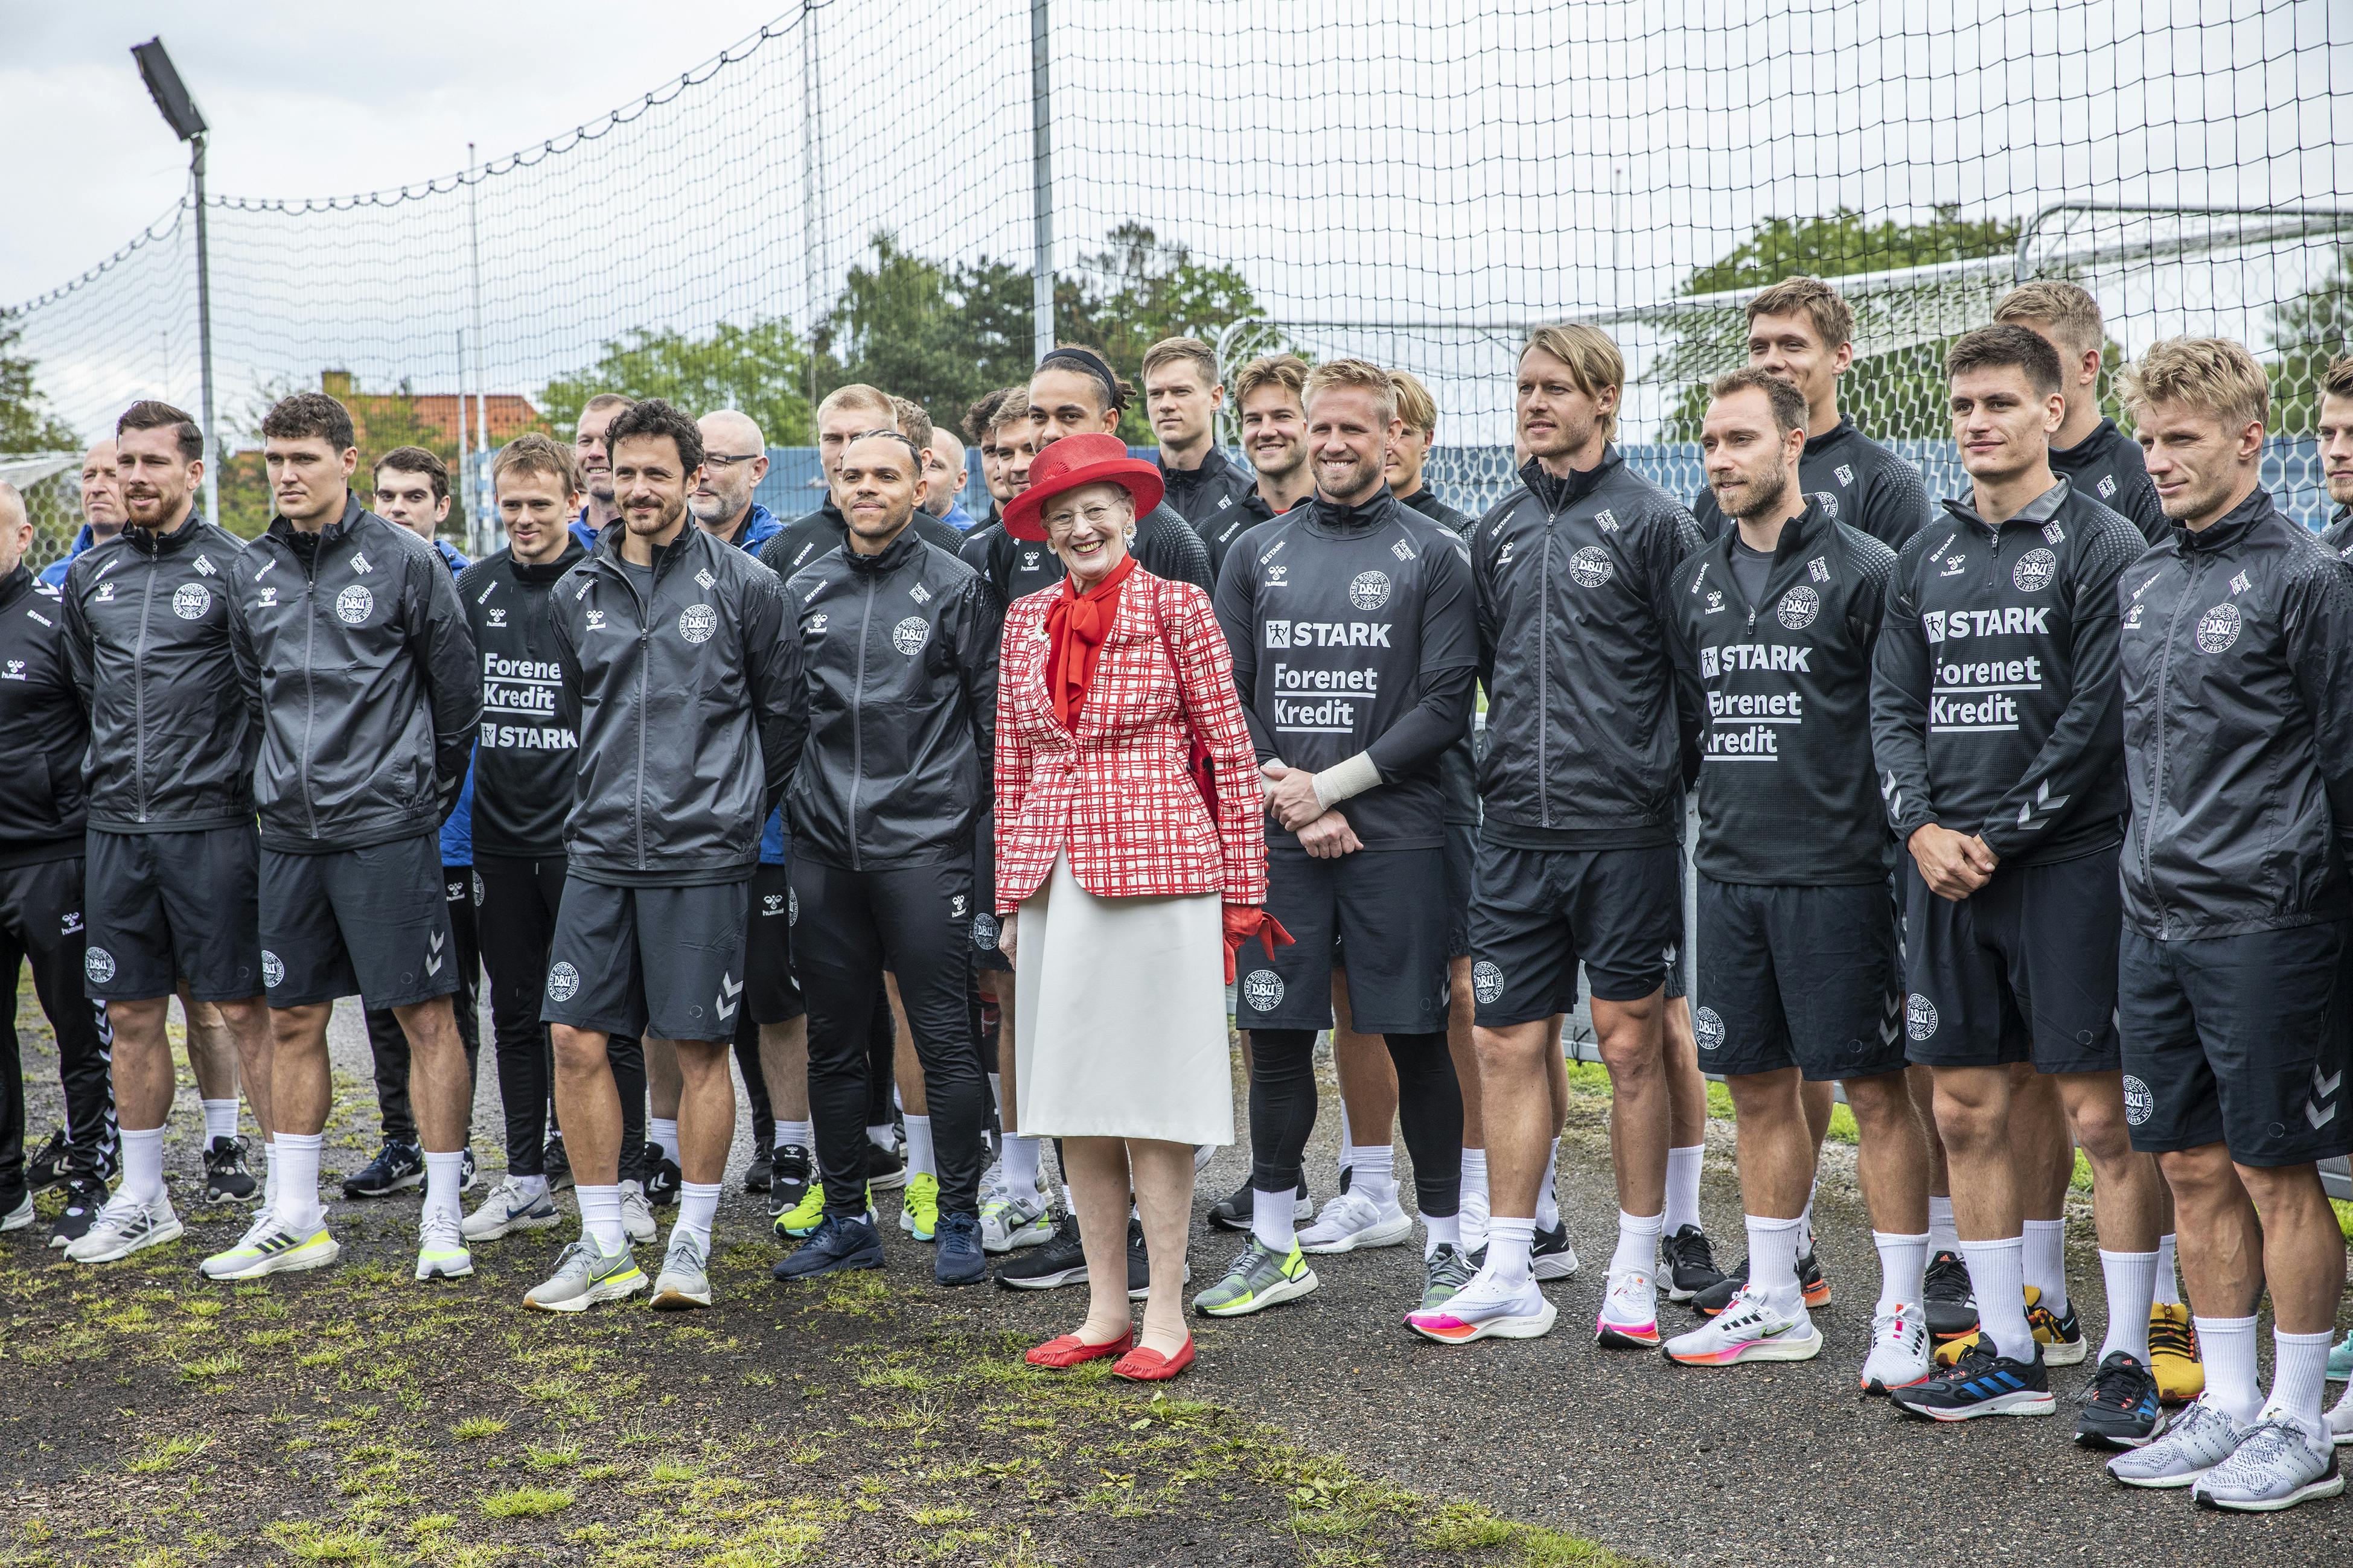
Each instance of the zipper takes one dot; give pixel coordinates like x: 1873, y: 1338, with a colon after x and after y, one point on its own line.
x: 2157, y: 777
x: 139, y: 692
x: 1543, y: 677
x: 310, y: 683
x: 645, y: 657
x: 858, y: 722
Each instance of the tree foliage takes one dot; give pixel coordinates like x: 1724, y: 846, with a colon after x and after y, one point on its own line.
x: 941, y: 334
x: 25, y: 423
x: 761, y: 368
x: 2310, y: 330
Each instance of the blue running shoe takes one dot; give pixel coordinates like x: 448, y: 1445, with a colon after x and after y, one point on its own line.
x: 835, y: 1246
x: 960, y: 1260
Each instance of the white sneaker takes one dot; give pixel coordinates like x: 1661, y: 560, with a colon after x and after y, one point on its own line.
x: 273, y: 1247
x: 2340, y: 1422
x: 124, y: 1227
x: 1485, y: 1309
x: 441, y: 1248
x: 684, y: 1282
x: 1472, y: 1217
x: 1353, y: 1221
x: 637, y: 1214
x: 2200, y: 1438
x: 20, y: 1217
x: 1630, y: 1311
x: 1749, y: 1329
x: 510, y: 1207
x: 1900, y: 1356
x: 1011, y: 1220
x: 2276, y: 1466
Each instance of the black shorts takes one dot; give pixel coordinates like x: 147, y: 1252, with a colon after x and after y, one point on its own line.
x: 160, y: 905
x: 772, y: 994
x: 1387, y: 906
x: 369, y: 922
x: 1804, y: 977
x: 1678, y: 962
x: 2023, y: 970
x: 1462, y: 871
x: 661, y: 961
x: 1537, y: 913
x: 2239, y: 1040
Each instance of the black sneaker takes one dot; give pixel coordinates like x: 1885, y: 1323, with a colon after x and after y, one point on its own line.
x: 84, y: 1195
x: 1952, y: 1302
x: 227, y: 1178
x: 397, y: 1165
x: 2120, y: 1406
x: 837, y: 1245
x: 663, y: 1178
x: 1690, y: 1263
x: 470, y: 1176
x: 47, y: 1169
x: 1980, y: 1384
x: 790, y: 1172
x: 1061, y: 1261
x: 1233, y: 1211
x: 885, y: 1168
x: 556, y: 1164
x: 1550, y: 1256
x: 1139, y: 1263
x: 762, y: 1170
x: 1718, y: 1296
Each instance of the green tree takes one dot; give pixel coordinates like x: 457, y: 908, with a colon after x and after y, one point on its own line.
x: 1139, y: 289
x: 2310, y: 330
x: 1896, y: 392
x: 25, y: 423
x: 762, y: 369
x: 940, y: 335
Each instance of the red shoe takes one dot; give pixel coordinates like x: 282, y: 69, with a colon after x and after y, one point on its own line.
x: 1144, y: 1365
x: 1068, y: 1350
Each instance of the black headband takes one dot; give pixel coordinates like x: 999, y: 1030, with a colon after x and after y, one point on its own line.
x: 1089, y: 361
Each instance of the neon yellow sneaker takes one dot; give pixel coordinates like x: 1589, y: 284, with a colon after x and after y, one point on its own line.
x: 1258, y: 1277
x: 919, y: 1217
x: 803, y: 1217
x: 272, y: 1248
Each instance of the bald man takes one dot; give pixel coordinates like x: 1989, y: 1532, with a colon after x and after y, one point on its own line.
x: 944, y: 476
x: 102, y: 510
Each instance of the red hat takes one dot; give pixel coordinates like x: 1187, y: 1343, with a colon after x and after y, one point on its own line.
x: 1076, y: 460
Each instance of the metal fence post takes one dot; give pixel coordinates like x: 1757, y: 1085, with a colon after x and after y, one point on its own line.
x: 1041, y: 185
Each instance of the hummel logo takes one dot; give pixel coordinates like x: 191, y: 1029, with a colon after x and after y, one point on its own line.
x: 729, y: 989
x: 433, y: 952
x: 2324, y: 1087
x: 268, y: 600
x: 1504, y: 558
x: 2043, y: 805
x: 106, y: 592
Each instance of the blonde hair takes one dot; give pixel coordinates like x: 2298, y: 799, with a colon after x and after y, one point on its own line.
x: 1356, y: 373
x: 534, y: 453
x: 2214, y: 375
x: 858, y: 394
x: 2073, y: 315
x: 1286, y: 370
x: 1593, y: 361
x: 1833, y: 320
x: 1414, y: 404
x: 1192, y: 351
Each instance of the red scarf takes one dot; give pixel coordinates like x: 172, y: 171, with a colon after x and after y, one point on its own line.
x: 1076, y: 624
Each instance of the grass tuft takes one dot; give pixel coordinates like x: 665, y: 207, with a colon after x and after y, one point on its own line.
x: 526, y: 1502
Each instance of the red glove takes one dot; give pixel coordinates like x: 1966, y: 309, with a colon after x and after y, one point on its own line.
x: 1244, y: 921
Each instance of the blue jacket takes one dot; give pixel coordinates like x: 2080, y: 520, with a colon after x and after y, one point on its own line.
x: 458, y: 832
x: 582, y: 532
x: 54, y: 574
x: 958, y: 518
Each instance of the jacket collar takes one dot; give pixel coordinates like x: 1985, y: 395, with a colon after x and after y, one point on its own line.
x: 2034, y: 513
x: 15, y: 586
x: 757, y: 526
x: 1335, y: 521
x: 2103, y: 436
x: 690, y: 537
x: 147, y: 542
x: 1800, y: 533
x: 2229, y: 528
x: 549, y: 571
x: 286, y: 532
x: 1558, y: 495
x: 894, y: 556
x: 1835, y: 435
x: 1214, y: 465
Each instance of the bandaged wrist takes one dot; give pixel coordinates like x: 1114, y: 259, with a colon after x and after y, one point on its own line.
x: 1344, y: 779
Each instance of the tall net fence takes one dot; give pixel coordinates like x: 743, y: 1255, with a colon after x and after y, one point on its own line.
x: 850, y: 194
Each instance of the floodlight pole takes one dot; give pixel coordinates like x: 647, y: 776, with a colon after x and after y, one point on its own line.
x: 1041, y: 186
x: 204, y: 331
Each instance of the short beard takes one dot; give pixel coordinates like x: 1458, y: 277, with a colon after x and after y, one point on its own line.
x: 2341, y: 489
x: 1762, y: 502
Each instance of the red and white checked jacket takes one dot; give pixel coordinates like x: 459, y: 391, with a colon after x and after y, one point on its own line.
x: 1115, y: 796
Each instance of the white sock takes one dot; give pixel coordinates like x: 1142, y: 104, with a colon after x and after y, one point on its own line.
x: 2299, y: 1381
x: 1509, y: 1240
x: 529, y: 1186
x: 1438, y: 1233
x: 1021, y: 1163
x: 1806, y: 1217
x: 600, y: 1216
x: 1637, y: 1243
x: 1902, y: 1269
x: 1475, y: 1172
x: 698, y: 1205
x: 1942, y: 1236
x: 2046, y: 1261
x: 2227, y: 1346
x: 443, y: 1172
x: 1998, y: 1277
x: 1347, y: 1148
x: 1548, y: 1201
x: 2129, y: 1277
x: 298, y: 1181
x: 2169, y: 1284
x: 883, y: 1136
x: 662, y: 1132
x: 1069, y: 1204
x: 1271, y: 1221
x: 220, y: 1118
x: 1373, y: 1173
x: 142, y: 1164
x: 919, y: 1147
x: 1772, y: 1262
x: 1682, y: 1187
x: 800, y: 1134
x: 269, y: 1177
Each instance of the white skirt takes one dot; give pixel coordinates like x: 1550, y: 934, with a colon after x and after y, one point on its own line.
x: 1119, y: 1016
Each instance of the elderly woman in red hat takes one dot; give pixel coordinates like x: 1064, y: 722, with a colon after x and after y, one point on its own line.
x: 1131, y: 858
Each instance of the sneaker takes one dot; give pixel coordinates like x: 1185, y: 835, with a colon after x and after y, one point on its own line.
x: 1139, y: 1264
x: 663, y: 1178
x: 804, y: 1218
x: 1009, y: 1221
x: 441, y: 1246
x: 885, y: 1168
x: 270, y: 1246
x: 762, y: 1171
x: 1233, y: 1211
x: 790, y: 1171
x: 1899, y: 1350
x: 1352, y: 1222
x: 2120, y: 1405
x: 124, y: 1227
x: 683, y: 1283
x: 1060, y: 1260
x: 837, y: 1245
x: 919, y: 1212
x: 2340, y: 1354
x: 1444, y: 1273
x: 960, y: 1260
x: 1472, y: 1217
x: 2197, y: 1440
x: 469, y: 1174
x: 2061, y: 1338
x: 1257, y: 1278
x: 1749, y: 1329
x: 47, y: 1168
x: 556, y: 1164
x: 2276, y: 1466
x: 227, y: 1180
x: 1550, y: 1256
x: 1483, y: 1310
x: 397, y: 1165
x: 19, y: 1213
x: 1716, y: 1296
x: 638, y: 1221
x: 1688, y: 1260
x: 1630, y: 1311
x: 509, y: 1208
x: 2340, y: 1424
x: 585, y: 1277
x: 1951, y: 1298
x: 2173, y: 1355
x: 84, y: 1195
x: 1982, y: 1383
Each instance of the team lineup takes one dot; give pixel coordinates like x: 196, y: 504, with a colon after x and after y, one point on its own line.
x: 2018, y: 821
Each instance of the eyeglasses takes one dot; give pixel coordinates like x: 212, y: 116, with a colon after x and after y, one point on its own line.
x: 724, y: 460
x: 1098, y: 514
